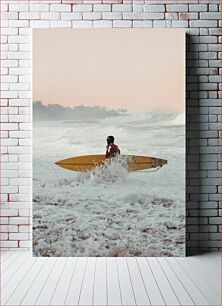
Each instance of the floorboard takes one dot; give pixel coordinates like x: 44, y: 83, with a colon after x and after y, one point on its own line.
x: 152, y: 287
x: 182, y: 295
x: 212, y: 261
x: 113, y: 285
x: 38, y: 284
x: 100, y: 283
x: 86, y: 294
x: 137, y: 281
x: 5, y: 255
x: 189, y: 284
x: 49, y: 287
x: 165, y: 287
x: 23, y: 287
x: 28, y: 280
x: 207, y: 291
x: 63, y: 284
x: 76, y: 282
x: 10, y: 261
x: 14, y: 269
x: 213, y: 279
x: 126, y: 289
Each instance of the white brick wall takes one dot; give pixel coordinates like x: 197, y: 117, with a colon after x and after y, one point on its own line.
x: 200, y: 17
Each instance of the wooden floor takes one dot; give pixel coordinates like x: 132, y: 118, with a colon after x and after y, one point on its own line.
x: 26, y: 280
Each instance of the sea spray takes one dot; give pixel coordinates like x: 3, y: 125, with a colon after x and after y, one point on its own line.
x: 113, y: 170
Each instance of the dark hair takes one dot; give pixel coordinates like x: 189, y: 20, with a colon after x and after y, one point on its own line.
x: 110, y: 139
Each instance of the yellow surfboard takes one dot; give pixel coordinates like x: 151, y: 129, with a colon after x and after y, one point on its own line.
x: 88, y: 162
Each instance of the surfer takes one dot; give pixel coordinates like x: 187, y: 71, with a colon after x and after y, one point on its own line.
x: 112, y: 149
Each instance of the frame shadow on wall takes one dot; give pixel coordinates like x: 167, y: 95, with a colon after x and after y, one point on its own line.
x: 193, y: 152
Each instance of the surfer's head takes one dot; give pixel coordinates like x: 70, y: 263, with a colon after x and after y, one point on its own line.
x: 110, y: 139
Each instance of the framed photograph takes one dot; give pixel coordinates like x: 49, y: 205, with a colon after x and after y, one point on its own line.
x: 108, y: 142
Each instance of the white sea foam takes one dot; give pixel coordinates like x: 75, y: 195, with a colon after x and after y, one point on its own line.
x: 179, y: 120
x: 109, y: 212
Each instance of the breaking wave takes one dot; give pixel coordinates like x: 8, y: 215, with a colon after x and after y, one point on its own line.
x: 112, y: 170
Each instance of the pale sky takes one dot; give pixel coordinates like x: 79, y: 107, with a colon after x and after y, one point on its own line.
x: 137, y: 69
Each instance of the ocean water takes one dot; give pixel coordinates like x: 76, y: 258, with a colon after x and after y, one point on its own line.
x: 113, y: 212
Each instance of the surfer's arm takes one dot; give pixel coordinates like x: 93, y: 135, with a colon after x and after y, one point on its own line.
x: 107, y: 152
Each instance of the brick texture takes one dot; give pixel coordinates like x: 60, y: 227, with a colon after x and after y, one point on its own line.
x: 201, y: 18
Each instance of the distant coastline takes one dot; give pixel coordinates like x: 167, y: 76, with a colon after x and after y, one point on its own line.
x: 59, y: 112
